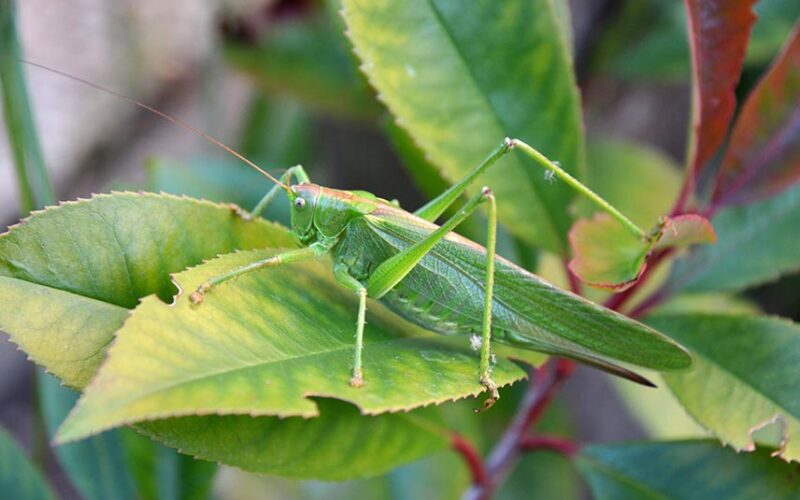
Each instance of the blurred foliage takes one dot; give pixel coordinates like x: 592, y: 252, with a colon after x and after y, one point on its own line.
x: 648, y: 39
x: 305, y: 71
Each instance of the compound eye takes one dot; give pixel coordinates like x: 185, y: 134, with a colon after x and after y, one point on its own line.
x: 299, y: 202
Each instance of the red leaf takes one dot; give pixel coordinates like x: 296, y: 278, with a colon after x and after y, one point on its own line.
x: 718, y: 34
x: 764, y: 152
x: 607, y: 255
x: 685, y: 230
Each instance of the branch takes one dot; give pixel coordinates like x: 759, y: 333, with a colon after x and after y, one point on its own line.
x: 545, y: 381
x: 472, y: 458
x: 553, y: 443
x: 574, y: 282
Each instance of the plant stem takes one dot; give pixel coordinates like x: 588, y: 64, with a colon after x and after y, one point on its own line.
x: 35, y: 188
x: 581, y: 188
x: 471, y: 457
x: 650, y: 302
x: 545, y: 382
x: 574, y: 282
x: 553, y: 443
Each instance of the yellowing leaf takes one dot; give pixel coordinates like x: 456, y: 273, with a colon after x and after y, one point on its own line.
x: 69, y: 274
x: 263, y: 345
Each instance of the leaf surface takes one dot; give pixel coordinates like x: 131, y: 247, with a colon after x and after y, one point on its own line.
x: 460, y: 80
x: 69, y: 274
x: 339, y: 444
x: 744, y: 377
x: 763, y: 156
x: 718, y: 34
x: 259, y: 347
x: 608, y: 256
x: 18, y: 477
x: 684, y: 469
x: 756, y: 243
x: 192, y: 231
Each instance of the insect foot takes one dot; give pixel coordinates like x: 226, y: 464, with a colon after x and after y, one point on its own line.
x: 494, y: 395
x: 357, y: 380
x: 198, y: 296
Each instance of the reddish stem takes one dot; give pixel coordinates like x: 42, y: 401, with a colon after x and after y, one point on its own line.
x: 471, y: 457
x: 553, y: 443
x: 617, y: 301
x: 650, y: 302
x: 574, y: 282
x: 545, y: 381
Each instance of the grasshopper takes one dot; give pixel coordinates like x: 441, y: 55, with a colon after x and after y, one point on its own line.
x: 440, y: 280
x: 448, y: 284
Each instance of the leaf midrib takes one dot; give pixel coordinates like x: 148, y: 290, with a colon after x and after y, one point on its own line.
x: 259, y: 364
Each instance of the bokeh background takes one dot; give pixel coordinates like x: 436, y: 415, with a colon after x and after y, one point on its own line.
x: 276, y: 80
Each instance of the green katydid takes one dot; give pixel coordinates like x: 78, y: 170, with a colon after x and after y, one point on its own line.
x: 451, y: 285
x: 442, y: 281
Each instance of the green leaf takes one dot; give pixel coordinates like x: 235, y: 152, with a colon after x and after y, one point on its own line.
x: 308, y: 59
x: 85, y: 263
x: 18, y: 477
x: 685, y: 470
x: 162, y: 472
x: 460, y: 80
x: 339, y: 444
x: 763, y: 155
x: 281, y: 344
x: 96, y: 467
x: 755, y: 244
x: 657, y: 410
x: 121, y: 464
x: 190, y: 231
x: 640, y: 181
x: 608, y: 255
x: 744, y: 376
x: 34, y: 184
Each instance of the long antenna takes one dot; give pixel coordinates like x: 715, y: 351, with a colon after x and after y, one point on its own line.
x: 161, y: 114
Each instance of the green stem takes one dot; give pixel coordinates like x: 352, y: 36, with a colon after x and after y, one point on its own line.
x: 35, y: 187
x: 581, y: 188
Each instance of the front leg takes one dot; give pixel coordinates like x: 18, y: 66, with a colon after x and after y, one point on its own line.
x: 343, y: 277
x: 315, y: 250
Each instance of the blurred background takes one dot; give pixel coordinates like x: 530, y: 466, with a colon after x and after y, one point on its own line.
x: 277, y: 81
